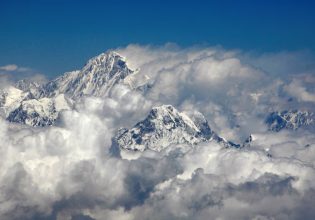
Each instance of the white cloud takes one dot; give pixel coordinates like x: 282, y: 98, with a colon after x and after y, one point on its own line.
x: 10, y: 67
x: 68, y: 170
x: 14, y: 68
x: 296, y: 89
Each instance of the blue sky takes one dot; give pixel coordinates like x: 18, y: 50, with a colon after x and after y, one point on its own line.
x: 54, y: 36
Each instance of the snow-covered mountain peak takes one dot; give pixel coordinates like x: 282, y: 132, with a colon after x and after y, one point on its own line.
x: 39, y: 103
x: 10, y: 99
x: 39, y: 112
x: 165, y: 126
x: 108, y: 60
x: 96, y: 78
x: 26, y: 85
x: 168, y: 111
x: 289, y: 119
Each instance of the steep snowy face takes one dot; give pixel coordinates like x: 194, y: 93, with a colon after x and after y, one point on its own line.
x: 37, y: 104
x: 33, y: 88
x: 96, y: 78
x: 165, y: 126
x: 39, y: 112
x: 20, y: 105
x: 11, y: 98
x: 292, y: 119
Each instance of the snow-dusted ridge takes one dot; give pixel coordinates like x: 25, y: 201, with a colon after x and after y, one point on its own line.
x: 96, y: 78
x: 165, y: 126
x: 38, y: 104
x: 40, y: 112
x: 291, y: 119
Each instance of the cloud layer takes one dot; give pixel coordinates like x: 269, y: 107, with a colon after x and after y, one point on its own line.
x: 68, y: 171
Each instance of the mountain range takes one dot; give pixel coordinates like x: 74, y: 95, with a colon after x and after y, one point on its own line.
x: 39, y: 104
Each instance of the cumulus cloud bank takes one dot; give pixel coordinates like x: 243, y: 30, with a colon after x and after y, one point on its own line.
x: 69, y: 171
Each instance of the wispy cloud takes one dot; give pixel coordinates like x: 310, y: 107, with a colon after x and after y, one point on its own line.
x: 9, y: 67
x: 296, y: 89
x: 13, y: 67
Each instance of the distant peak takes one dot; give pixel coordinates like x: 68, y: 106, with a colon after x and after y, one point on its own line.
x: 110, y: 54
x: 159, y: 111
x: 165, y: 126
x: 109, y: 60
x: 164, y: 108
x: 289, y: 119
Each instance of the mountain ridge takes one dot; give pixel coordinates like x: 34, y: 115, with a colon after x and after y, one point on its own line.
x: 289, y: 119
x: 34, y: 103
x: 165, y: 126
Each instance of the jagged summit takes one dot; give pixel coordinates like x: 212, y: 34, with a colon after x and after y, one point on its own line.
x: 39, y: 112
x: 36, y: 103
x: 107, y: 62
x: 165, y: 126
x: 289, y: 119
x: 96, y: 78
x: 105, y: 57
